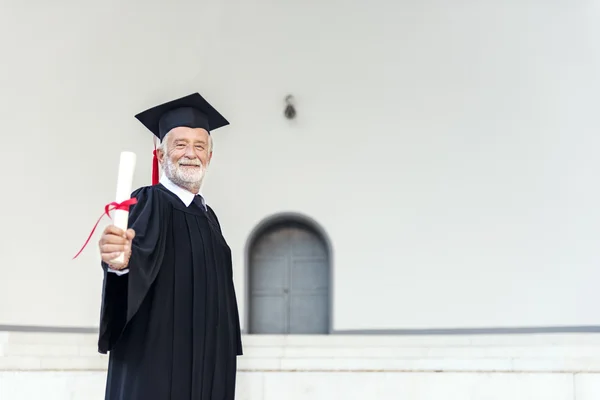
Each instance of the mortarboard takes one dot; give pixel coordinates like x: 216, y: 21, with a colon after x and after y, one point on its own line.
x: 191, y: 111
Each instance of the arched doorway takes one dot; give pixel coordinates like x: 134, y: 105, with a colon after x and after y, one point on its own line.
x: 289, y: 278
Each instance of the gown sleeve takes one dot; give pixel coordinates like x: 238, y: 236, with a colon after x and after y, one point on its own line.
x: 122, y: 295
x: 232, y: 296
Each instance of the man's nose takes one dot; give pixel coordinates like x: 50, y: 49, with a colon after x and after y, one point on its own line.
x: 189, y: 152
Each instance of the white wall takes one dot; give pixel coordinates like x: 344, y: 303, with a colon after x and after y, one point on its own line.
x: 72, y: 76
x: 448, y: 151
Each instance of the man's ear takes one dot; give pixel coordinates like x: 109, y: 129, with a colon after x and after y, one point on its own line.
x: 160, y: 155
x: 210, y: 156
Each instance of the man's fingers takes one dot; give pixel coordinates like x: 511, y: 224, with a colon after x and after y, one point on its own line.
x: 110, y: 256
x: 112, y: 239
x: 112, y: 248
x: 113, y: 230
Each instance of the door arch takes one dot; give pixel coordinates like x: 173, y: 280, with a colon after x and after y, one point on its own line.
x: 289, y: 278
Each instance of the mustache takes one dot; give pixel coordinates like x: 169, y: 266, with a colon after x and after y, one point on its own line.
x: 196, y: 163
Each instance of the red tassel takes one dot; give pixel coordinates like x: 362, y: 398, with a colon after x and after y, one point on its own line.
x: 154, y: 168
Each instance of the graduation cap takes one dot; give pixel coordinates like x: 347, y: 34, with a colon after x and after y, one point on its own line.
x: 191, y: 111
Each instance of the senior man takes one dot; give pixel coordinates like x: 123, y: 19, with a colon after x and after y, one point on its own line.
x: 169, y: 313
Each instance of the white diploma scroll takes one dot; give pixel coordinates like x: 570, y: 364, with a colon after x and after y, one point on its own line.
x: 124, y: 183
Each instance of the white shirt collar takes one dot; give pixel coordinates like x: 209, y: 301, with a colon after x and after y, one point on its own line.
x: 184, y: 195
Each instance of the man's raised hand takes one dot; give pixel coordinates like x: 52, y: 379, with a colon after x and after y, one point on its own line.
x: 113, y: 242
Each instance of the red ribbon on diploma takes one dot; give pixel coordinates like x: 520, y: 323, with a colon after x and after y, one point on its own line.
x: 124, y: 205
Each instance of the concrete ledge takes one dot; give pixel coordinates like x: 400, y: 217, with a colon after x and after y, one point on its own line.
x: 56, y: 366
x: 548, y: 353
x: 82, y: 385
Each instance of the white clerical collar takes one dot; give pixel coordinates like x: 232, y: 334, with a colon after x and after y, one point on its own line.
x: 186, y: 196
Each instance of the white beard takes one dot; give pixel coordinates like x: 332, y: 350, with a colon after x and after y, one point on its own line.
x: 189, y: 178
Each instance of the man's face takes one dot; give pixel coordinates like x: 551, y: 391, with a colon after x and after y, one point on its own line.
x: 188, y: 155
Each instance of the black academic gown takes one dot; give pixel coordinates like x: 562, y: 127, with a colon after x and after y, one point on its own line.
x: 171, y: 324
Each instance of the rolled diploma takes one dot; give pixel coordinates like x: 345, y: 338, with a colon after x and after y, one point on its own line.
x: 124, y: 183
